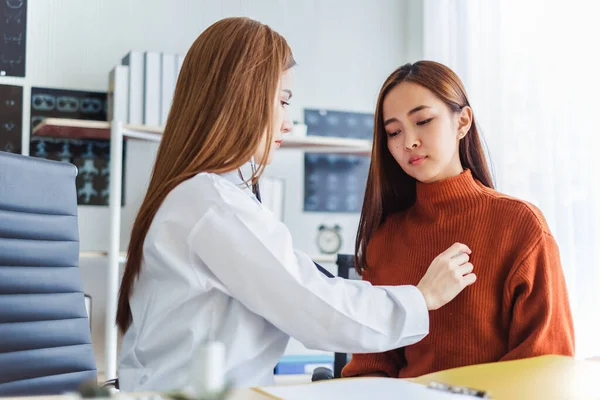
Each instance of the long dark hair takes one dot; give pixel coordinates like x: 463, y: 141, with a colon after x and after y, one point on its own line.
x: 223, y: 104
x: 390, y: 189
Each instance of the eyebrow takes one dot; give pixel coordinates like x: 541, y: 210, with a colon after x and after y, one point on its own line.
x: 417, y: 109
x: 289, y: 92
x: 414, y: 110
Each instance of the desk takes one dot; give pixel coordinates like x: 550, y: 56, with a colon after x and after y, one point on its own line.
x: 545, y: 377
x: 249, y: 394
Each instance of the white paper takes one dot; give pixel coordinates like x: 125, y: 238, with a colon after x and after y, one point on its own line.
x: 168, y: 71
x: 135, y: 61
x: 152, y: 88
x: 361, y: 389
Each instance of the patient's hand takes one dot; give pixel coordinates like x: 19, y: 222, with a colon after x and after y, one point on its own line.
x: 447, y: 276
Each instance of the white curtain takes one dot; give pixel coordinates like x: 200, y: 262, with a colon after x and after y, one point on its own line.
x: 532, y: 74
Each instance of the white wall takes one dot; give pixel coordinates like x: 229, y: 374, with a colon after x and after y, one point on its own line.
x: 344, y: 48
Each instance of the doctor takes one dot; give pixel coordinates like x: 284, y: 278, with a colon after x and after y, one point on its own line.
x: 207, y: 262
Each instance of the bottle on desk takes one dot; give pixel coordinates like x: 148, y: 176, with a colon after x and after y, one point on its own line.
x: 208, y: 373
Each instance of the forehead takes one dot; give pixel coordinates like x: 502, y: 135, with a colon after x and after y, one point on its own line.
x: 287, y: 79
x: 406, y: 96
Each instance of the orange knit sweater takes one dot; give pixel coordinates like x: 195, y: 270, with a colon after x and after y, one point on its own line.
x: 517, y: 308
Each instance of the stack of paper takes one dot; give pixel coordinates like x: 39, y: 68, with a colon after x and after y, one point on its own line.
x: 360, y: 389
x: 149, y: 85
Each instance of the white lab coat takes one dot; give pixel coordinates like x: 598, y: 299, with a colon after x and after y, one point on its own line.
x: 218, y: 265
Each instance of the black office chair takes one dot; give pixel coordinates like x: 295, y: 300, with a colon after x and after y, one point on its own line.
x: 45, y: 340
x: 346, y: 270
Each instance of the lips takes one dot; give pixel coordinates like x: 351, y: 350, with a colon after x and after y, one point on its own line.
x: 416, y: 160
x: 278, y: 142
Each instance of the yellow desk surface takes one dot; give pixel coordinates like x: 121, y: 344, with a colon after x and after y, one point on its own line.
x: 545, y: 377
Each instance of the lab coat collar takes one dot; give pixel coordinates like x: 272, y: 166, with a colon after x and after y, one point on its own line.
x: 234, y: 177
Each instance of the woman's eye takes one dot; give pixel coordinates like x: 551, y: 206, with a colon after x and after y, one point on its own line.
x: 285, y: 104
x: 424, y: 122
x: 392, y: 134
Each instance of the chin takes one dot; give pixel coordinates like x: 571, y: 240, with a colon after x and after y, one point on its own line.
x: 269, y: 160
x: 423, y: 176
x: 258, y: 159
x: 428, y: 180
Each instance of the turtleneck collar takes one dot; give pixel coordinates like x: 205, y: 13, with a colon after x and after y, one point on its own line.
x: 448, y: 194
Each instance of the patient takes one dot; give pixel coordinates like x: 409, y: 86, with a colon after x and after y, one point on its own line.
x: 428, y: 187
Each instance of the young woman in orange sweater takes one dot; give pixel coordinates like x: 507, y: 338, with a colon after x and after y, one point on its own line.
x: 429, y: 186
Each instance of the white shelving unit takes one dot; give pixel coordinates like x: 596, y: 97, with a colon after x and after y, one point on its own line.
x: 116, y: 132
x: 84, y: 129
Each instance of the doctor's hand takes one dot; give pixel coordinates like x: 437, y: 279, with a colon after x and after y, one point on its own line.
x: 447, y: 276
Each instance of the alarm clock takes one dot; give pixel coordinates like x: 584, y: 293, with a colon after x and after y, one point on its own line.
x: 329, y: 239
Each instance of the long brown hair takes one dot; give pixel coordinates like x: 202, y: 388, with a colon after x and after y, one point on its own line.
x: 222, y: 106
x: 390, y: 189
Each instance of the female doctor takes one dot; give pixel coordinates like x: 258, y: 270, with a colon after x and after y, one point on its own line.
x: 207, y: 262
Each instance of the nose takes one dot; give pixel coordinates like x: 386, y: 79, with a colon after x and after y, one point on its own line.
x: 411, y: 141
x: 286, y: 126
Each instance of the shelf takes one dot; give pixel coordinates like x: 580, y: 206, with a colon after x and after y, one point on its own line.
x: 325, y: 144
x: 72, y: 129
x: 84, y: 129
x: 100, y: 130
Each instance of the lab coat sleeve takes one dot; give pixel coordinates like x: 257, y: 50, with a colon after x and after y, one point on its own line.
x: 250, y: 253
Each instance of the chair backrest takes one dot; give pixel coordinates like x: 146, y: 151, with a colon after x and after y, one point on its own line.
x: 346, y: 270
x: 45, y: 340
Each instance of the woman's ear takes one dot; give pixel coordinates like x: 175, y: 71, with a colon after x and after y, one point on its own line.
x: 465, y: 119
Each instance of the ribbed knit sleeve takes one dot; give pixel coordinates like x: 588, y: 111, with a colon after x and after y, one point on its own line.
x: 387, y: 364
x: 537, y: 305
